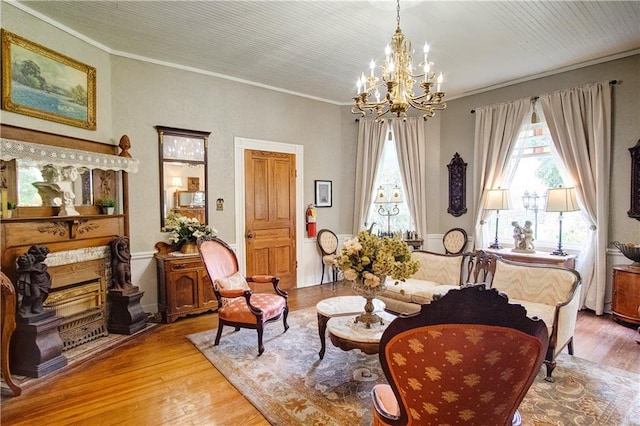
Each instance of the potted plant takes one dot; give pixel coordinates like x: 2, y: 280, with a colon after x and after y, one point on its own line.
x: 11, y: 206
x: 107, y: 205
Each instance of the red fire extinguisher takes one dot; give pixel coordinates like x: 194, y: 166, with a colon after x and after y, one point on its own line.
x: 311, y: 220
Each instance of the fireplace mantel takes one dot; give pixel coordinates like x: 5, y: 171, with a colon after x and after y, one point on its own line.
x: 41, y: 225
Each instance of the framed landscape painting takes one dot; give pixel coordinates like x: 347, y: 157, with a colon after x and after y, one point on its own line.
x: 41, y: 83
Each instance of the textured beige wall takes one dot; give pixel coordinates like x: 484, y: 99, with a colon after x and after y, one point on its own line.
x: 145, y: 95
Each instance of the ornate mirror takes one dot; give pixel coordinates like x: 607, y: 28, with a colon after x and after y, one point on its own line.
x: 183, y: 173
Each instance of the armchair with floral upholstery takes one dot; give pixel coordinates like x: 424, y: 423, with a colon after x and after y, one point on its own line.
x: 468, y: 357
x: 238, y: 306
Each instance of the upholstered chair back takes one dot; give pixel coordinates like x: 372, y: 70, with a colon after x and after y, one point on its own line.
x: 546, y: 285
x: 327, y: 242
x: 466, y: 358
x: 218, y: 258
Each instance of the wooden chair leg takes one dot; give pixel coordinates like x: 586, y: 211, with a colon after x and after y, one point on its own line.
x: 322, y: 277
x: 260, y: 345
x: 551, y: 365
x: 220, y: 325
x: 285, y: 313
x: 570, y: 346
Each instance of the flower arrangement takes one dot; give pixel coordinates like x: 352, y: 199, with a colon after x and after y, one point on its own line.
x: 367, y: 257
x: 182, y: 229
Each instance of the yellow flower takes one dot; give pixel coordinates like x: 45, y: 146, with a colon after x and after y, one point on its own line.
x: 369, y: 258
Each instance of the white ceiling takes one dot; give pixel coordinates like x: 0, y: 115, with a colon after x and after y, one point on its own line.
x: 318, y: 48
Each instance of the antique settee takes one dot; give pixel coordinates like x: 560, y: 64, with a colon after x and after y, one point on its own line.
x: 550, y: 293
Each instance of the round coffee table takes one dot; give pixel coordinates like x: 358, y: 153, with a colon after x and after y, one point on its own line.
x: 347, y: 334
x: 341, y: 306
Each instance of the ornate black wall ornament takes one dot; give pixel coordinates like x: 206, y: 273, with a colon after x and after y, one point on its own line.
x: 457, y: 186
x: 634, y: 211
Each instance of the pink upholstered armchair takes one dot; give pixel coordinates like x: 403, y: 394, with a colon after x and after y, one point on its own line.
x: 238, y: 306
x: 466, y: 358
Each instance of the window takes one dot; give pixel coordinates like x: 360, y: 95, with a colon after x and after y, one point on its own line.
x: 388, y: 177
x: 533, y: 167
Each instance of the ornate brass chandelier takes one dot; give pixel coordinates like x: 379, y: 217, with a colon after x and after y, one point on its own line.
x: 399, y: 79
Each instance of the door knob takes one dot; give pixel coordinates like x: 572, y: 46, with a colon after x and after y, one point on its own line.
x: 250, y: 235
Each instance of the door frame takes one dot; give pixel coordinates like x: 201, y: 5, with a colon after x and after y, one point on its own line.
x: 240, y: 146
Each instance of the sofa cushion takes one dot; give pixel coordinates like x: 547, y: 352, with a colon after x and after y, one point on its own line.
x: 441, y: 269
x: 416, y: 291
x: 539, y: 310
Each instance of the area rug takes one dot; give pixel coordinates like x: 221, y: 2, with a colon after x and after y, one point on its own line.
x: 290, y: 385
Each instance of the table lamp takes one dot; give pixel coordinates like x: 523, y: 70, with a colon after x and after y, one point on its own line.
x: 561, y: 200
x: 497, y: 199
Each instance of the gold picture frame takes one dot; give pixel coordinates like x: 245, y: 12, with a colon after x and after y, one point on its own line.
x: 41, y: 83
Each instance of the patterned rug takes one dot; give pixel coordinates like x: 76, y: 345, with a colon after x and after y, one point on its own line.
x: 290, y: 385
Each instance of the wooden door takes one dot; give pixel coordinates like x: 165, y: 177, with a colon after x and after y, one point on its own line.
x: 270, y: 215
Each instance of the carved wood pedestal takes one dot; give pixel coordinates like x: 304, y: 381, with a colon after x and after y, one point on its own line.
x: 36, y: 346
x: 125, y: 312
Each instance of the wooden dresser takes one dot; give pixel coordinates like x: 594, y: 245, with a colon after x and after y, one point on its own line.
x: 184, y: 287
x: 546, y: 258
x: 625, y: 304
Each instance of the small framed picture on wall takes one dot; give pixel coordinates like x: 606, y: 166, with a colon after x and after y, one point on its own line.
x: 323, y: 193
x: 193, y: 184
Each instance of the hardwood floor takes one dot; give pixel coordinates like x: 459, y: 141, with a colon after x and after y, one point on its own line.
x: 160, y: 378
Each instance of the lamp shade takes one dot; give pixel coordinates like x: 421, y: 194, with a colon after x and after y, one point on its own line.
x: 381, y: 197
x: 498, y: 199
x: 562, y: 200
x: 176, y: 181
x: 396, y: 195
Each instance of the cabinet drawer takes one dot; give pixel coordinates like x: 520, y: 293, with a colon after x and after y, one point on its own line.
x: 185, y: 265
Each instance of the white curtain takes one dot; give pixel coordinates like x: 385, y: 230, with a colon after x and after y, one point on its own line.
x: 411, y: 146
x: 371, y: 136
x: 497, y: 128
x: 579, y: 120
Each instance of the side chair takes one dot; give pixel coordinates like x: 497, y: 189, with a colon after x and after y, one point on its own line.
x: 328, y: 244
x: 455, y: 241
x: 238, y: 306
x: 468, y: 357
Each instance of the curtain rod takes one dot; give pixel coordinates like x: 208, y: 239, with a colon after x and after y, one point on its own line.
x: 535, y: 98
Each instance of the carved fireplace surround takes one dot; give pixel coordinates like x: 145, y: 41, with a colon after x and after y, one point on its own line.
x: 79, y: 259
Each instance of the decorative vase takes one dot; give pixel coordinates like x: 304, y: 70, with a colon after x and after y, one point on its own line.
x: 369, y: 293
x: 189, y: 248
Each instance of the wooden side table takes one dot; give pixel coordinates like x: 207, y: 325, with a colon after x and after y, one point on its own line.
x: 546, y: 258
x: 625, y: 304
x: 415, y: 244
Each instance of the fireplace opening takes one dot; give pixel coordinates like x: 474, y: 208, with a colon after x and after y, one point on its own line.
x: 78, y: 293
